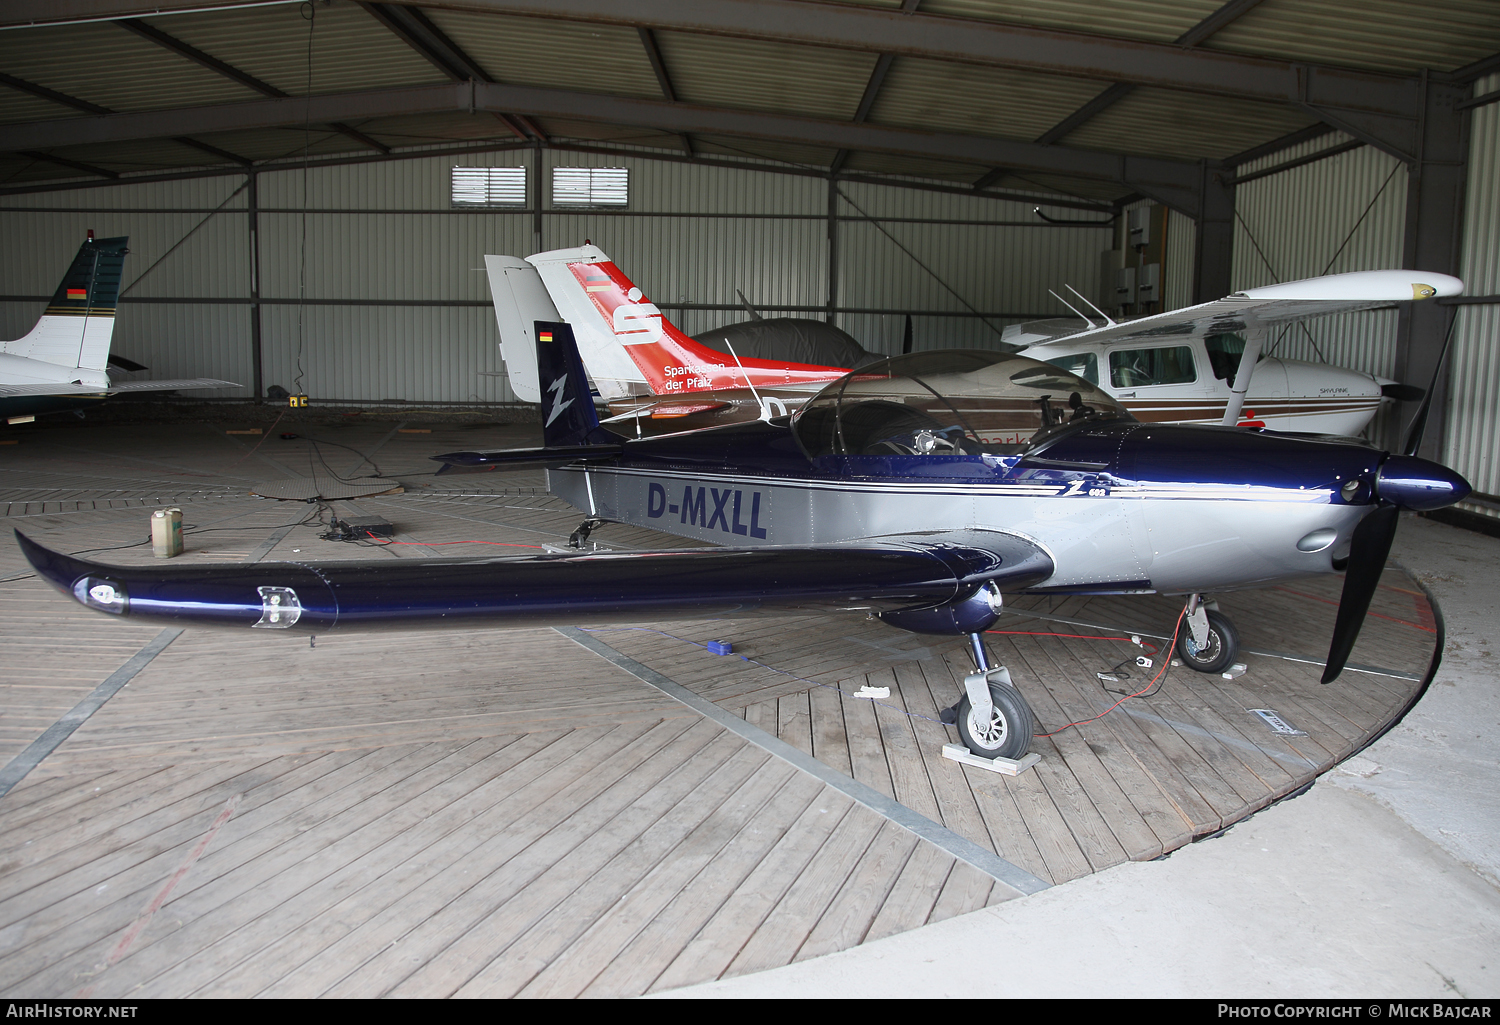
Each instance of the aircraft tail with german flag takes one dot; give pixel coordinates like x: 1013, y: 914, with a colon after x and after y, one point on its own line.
x: 75, y: 329
x: 627, y: 345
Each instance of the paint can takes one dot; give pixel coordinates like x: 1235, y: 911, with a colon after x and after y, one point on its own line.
x: 166, y: 533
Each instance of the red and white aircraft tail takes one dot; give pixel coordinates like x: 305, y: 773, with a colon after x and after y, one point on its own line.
x: 627, y: 345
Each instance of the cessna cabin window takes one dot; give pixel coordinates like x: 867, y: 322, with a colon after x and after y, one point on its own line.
x: 1224, y: 352
x: 962, y: 403
x: 1080, y: 364
x: 1134, y: 368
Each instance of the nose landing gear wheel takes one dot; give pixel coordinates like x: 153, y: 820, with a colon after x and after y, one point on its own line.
x: 1216, y: 653
x: 1009, y: 732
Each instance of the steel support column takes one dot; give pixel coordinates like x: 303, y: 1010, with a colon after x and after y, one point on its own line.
x: 257, y: 364
x: 1214, y: 234
x: 1433, y: 240
x: 833, y: 246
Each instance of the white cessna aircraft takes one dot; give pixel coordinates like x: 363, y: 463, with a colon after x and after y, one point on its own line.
x: 60, y: 364
x: 1192, y: 365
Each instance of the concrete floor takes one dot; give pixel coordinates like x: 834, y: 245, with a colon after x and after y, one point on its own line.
x: 1383, y: 880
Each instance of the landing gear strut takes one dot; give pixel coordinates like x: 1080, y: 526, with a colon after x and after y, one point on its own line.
x: 580, y: 537
x: 992, y: 718
x: 1208, y: 641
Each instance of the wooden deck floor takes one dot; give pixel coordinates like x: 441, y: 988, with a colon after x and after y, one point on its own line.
x: 496, y: 813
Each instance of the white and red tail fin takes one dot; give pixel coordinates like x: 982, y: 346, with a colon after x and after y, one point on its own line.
x: 630, y: 348
x: 76, y: 328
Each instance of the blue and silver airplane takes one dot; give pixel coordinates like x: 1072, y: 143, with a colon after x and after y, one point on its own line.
x: 918, y: 490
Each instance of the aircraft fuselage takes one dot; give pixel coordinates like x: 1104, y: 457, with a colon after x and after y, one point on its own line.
x: 1120, y: 507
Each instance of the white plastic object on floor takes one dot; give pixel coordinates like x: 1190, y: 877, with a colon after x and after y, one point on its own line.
x: 1004, y: 766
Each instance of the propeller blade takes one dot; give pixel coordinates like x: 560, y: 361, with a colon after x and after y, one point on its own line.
x: 906, y: 337
x: 1419, y: 422
x: 1368, y: 549
x: 1402, y: 392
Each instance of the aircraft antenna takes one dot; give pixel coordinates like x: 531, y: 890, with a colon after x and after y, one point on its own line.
x: 1070, y: 306
x: 1091, y: 306
x: 764, y: 410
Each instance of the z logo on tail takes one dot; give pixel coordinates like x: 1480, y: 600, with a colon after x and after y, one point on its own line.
x: 556, y: 388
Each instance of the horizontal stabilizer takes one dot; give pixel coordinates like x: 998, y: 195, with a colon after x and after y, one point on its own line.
x: 530, y: 458
x: 8, y: 391
x: 894, y: 574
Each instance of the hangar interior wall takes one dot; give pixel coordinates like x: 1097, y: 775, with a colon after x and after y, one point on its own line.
x: 1470, y: 443
x: 397, y: 302
x: 398, y: 306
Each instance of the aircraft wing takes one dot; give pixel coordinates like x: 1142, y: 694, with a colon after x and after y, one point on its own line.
x: 905, y: 574
x: 1292, y: 300
x: 8, y: 391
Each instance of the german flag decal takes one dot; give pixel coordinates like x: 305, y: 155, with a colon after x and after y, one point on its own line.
x: 545, y: 336
x: 78, y: 293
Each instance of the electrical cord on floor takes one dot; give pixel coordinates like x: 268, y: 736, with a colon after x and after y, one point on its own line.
x: 1161, y: 674
x: 316, y: 442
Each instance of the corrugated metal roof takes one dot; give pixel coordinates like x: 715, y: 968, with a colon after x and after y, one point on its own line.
x: 1163, y: 123
x: 760, y: 75
x: 350, y: 49
x: 353, y: 50
x: 978, y: 101
x: 565, y: 54
x: 1158, y: 21
x: 1381, y: 35
x: 105, y: 65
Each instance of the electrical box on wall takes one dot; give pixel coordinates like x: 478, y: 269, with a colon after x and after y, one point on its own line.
x: 1138, y: 225
x: 1125, y: 287
x: 1148, y: 283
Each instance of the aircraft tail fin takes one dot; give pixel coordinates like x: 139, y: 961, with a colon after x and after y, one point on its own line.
x: 630, y: 348
x: 520, y: 301
x: 568, y: 416
x: 76, y: 328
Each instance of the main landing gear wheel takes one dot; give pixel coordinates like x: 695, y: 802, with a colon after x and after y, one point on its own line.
x: 1010, y: 729
x: 1216, y: 653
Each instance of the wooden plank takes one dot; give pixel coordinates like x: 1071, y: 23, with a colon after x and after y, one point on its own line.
x: 274, y: 938
x: 829, y: 734
x: 742, y: 916
x: 794, y: 721
x: 966, y: 889
x: 660, y: 942
x: 863, y: 894
x: 1099, y: 772
x: 619, y: 908
x: 450, y: 907
x: 509, y: 943
x: 915, y: 894
x: 136, y: 885
x: 785, y: 927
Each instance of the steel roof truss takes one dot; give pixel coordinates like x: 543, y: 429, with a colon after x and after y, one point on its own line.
x: 1171, y: 181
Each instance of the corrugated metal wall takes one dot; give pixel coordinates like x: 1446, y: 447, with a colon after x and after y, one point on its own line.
x: 1470, y: 443
x: 41, y: 232
x: 393, y: 272
x: 1343, y: 213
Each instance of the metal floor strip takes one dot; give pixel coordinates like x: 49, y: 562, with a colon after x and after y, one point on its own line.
x: 61, y: 730
x: 940, y: 836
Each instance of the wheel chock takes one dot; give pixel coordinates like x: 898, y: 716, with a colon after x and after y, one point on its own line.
x: 1004, y: 766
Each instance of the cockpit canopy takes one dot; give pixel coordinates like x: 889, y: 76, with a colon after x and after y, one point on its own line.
x: 950, y: 403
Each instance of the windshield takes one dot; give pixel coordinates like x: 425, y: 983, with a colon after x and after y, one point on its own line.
x: 953, y: 402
